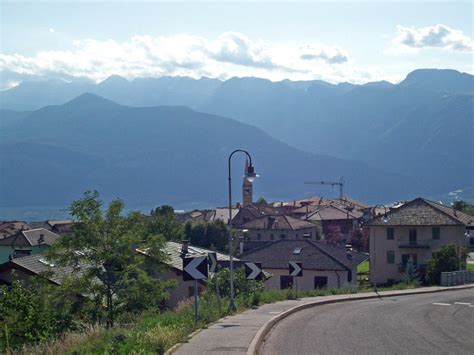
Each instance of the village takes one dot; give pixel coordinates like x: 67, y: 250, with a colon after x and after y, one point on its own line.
x: 337, y: 242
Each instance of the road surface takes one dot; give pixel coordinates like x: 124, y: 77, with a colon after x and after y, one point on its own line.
x: 438, y: 323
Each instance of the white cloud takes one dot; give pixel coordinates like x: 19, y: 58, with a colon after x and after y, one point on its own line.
x: 51, y: 30
x: 409, y: 39
x: 230, y: 54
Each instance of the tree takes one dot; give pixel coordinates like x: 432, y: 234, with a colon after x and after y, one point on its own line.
x: 163, y: 221
x: 35, y: 311
x: 447, y: 258
x: 334, y: 235
x: 464, y: 206
x: 102, y: 246
x: 359, y: 239
x: 261, y: 201
x: 213, y: 235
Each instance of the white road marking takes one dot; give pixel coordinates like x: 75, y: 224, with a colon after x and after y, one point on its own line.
x: 463, y: 303
x: 441, y: 304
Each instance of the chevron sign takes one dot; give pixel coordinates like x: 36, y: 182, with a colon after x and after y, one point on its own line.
x: 253, y: 271
x: 295, y: 269
x: 195, y: 268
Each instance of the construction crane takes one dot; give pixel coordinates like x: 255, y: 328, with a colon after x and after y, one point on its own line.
x: 339, y: 183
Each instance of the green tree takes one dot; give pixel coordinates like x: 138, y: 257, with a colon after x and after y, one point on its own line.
x: 35, y: 311
x: 464, y: 206
x: 447, y: 258
x: 163, y: 221
x: 102, y: 246
x: 242, y: 286
x: 212, y: 235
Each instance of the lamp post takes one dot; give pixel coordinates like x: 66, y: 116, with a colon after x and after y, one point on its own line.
x: 385, y: 219
x: 250, y: 175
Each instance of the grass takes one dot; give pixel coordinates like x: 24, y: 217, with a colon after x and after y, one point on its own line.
x: 470, y: 267
x: 363, y: 268
x: 156, y: 332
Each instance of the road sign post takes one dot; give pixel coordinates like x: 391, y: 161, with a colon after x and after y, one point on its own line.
x: 295, y: 269
x: 196, y: 301
x: 195, y: 269
x: 214, y: 268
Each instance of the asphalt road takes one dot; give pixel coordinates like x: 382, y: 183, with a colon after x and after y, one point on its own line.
x: 438, y: 323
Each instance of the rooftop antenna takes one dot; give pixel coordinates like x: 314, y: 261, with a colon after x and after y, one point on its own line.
x: 339, y: 183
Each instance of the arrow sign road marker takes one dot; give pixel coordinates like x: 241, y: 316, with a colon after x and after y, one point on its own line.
x: 212, y: 260
x: 195, y: 268
x: 295, y: 269
x: 253, y: 271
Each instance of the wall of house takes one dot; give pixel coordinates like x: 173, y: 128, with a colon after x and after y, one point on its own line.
x: 183, y: 290
x: 382, y: 272
x: 6, y: 276
x: 306, y: 282
x: 265, y: 235
x: 6, y: 251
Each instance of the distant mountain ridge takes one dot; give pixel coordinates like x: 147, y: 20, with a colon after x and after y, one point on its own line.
x: 155, y: 155
x: 421, y: 127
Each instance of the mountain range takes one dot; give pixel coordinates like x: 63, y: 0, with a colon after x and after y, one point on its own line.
x: 390, y: 141
x: 157, y: 155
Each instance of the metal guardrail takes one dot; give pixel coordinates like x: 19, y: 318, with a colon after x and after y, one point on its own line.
x: 456, y: 278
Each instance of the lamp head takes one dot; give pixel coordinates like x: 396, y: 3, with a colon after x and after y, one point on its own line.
x: 250, y: 174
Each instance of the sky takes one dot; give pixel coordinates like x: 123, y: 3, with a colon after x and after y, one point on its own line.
x: 338, y: 41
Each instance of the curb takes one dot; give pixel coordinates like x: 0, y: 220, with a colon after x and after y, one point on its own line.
x: 261, y: 334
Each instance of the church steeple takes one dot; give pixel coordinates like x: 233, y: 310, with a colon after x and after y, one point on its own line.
x: 246, y: 188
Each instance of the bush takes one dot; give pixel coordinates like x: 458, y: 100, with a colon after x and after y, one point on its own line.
x: 446, y: 258
x: 35, y: 311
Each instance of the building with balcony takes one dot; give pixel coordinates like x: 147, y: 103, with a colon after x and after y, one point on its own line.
x: 410, y: 234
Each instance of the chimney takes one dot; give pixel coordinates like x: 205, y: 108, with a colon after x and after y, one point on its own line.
x: 349, y: 255
x: 41, y: 239
x: 184, y: 248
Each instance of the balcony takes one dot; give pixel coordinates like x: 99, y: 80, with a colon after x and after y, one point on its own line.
x: 414, y: 244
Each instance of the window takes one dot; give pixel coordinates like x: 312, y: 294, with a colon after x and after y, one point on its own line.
x: 296, y: 235
x: 286, y: 281
x: 435, y: 233
x: 320, y: 281
x: 272, y: 237
x: 390, y: 233
x: 282, y: 236
x: 297, y: 251
x: 412, y: 236
x: 349, y: 276
x: 259, y: 236
x: 390, y: 257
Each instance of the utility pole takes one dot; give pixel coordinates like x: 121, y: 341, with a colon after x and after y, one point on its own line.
x: 339, y: 183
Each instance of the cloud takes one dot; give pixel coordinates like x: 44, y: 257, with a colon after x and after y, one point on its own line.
x: 229, y: 54
x: 331, y: 55
x: 410, y: 39
x: 51, y: 30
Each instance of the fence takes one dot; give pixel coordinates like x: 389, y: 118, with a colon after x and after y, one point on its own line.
x: 455, y: 278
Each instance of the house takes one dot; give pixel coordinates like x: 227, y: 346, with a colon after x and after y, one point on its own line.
x: 332, y: 217
x: 11, y: 227
x: 270, y: 228
x: 412, y: 232
x: 26, y: 242
x: 33, y: 265
x: 323, y: 265
x: 175, y: 253
x: 37, y: 264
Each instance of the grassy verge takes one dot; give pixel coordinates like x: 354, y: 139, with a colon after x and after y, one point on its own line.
x: 470, y: 267
x: 155, y: 332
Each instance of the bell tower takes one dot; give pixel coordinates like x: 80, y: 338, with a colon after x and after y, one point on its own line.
x: 246, y: 188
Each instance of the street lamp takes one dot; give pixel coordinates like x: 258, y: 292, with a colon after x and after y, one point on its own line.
x: 250, y: 175
x: 385, y: 219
